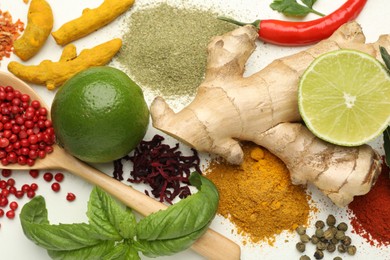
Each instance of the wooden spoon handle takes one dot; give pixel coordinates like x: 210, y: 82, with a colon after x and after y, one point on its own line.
x: 211, y: 245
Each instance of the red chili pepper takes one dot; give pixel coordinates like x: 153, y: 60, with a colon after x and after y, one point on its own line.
x: 289, y: 33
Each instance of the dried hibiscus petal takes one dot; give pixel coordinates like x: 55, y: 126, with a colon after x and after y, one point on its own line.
x: 161, y: 166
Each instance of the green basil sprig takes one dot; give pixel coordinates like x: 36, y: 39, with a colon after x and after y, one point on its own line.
x: 112, y: 231
x: 177, y: 220
x: 293, y: 8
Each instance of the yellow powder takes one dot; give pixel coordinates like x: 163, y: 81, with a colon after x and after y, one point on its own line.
x: 258, y: 196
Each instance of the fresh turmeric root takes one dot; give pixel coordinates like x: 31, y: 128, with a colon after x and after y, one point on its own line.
x: 39, y: 25
x: 54, y: 74
x: 229, y: 107
x: 91, y: 20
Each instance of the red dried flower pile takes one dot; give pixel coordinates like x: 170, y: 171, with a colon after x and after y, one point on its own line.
x: 161, y: 166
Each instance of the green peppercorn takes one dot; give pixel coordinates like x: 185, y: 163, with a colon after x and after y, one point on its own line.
x: 340, y: 235
x: 320, y: 224
x: 318, y: 254
x: 314, y: 239
x: 351, y: 250
x: 334, y: 241
x: 346, y: 241
x: 328, y: 234
x: 342, y: 226
x: 334, y: 230
x: 331, y: 220
x: 322, y: 245
x: 337, y: 258
x: 301, y: 230
x: 304, y: 257
x: 322, y: 239
x: 331, y: 248
x: 301, y: 247
x: 304, y: 238
x: 319, y: 233
x: 341, y: 248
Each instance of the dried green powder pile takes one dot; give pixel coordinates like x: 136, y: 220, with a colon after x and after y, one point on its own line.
x: 165, y: 47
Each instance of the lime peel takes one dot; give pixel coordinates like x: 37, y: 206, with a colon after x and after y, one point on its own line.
x: 344, y: 97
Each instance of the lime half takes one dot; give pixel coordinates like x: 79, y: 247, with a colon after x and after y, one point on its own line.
x: 344, y: 97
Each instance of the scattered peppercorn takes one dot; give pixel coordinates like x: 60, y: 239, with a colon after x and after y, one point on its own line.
x: 319, y: 224
x: 330, y: 220
x: 318, y: 254
x: 340, y: 235
x: 59, y: 177
x: 331, y: 248
x: 337, y: 258
x: 322, y: 245
x: 48, y: 176
x: 301, y: 247
x: 70, y: 196
x: 34, y: 173
x: 301, y: 230
x: 334, y: 241
x: 56, y: 187
x: 319, y: 232
x: 342, y: 226
x: 304, y: 257
x: 351, y: 250
x: 304, y: 238
x: 10, y: 214
x: 314, y: 239
x: 334, y: 230
x: 328, y: 234
x: 341, y: 248
x: 346, y: 241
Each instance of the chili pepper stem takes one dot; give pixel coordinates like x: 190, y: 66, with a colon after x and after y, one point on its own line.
x: 230, y: 20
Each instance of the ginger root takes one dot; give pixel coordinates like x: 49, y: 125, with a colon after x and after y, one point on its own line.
x: 54, y: 74
x: 91, y: 20
x: 229, y: 107
x: 39, y: 25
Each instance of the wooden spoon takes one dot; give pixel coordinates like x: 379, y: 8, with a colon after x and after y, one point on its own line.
x: 211, y: 245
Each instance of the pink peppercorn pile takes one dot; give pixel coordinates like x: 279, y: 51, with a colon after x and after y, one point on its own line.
x: 26, y: 133
x: 10, y: 193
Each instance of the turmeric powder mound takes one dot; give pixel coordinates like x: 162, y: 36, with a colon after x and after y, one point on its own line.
x: 258, y: 196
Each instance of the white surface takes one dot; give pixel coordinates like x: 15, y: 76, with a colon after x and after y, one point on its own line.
x: 13, y: 244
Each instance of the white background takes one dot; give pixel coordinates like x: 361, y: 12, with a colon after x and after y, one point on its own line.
x: 13, y: 244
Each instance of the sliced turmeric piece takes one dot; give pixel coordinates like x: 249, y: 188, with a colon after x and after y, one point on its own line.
x: 54, y: 74
x: 91, y: 20
x: 39, y: 25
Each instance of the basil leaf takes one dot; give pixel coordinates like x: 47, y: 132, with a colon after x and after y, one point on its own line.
x: 111, y: 220
x: 96, y: 252
x: 169, y: 246
x: 293, y: 8
x: 309, y: 3
x: 35, y: 211
x: 184, y: 217
x: 36, y: 227
x: 386, y: 139
x: 123, y: 251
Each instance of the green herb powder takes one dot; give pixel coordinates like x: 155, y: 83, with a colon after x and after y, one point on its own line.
x: 165, y: 47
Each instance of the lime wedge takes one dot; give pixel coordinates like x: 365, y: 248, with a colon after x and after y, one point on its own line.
x: 344, y: 97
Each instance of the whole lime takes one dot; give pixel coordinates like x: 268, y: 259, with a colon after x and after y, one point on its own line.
x: 99, y: 115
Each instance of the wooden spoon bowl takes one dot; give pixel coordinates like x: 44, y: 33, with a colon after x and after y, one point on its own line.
x: 212, y: 245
